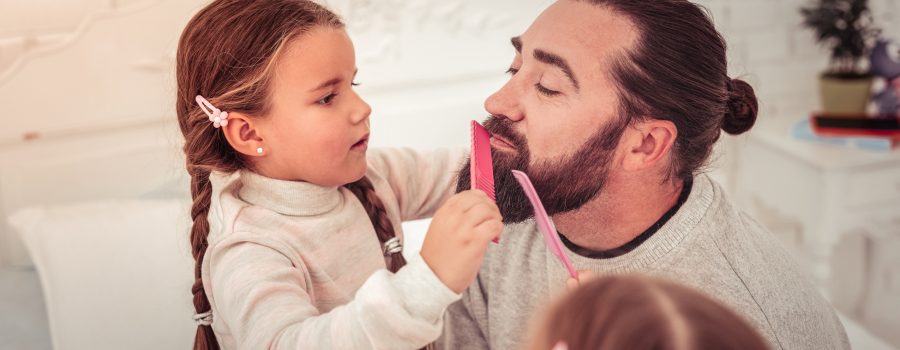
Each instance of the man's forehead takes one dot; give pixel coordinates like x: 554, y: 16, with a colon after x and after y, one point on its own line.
x: 579, y: 30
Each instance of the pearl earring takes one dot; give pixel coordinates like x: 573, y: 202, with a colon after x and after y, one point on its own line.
x: 259, y: 150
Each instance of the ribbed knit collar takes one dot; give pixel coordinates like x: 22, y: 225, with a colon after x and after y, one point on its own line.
x: 294, y: 198
x: 672, y: 233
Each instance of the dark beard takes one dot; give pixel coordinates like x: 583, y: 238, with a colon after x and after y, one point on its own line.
x: 563, y: 184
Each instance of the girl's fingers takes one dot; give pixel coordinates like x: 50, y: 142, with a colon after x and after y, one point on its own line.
x: 488, y: 231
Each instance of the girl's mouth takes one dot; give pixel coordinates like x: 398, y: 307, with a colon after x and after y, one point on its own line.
x: 361, y: 145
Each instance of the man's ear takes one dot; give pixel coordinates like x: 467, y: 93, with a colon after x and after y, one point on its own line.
x: 243, y: 135
x: 648, y: 142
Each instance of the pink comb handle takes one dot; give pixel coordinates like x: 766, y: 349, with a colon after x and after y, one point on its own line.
x: 544, y: 224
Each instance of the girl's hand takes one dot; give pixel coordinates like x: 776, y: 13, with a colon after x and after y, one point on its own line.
x: 584, y: 276
x: 458, y: 238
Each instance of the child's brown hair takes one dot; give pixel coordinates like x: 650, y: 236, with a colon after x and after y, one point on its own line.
x: 641, y: 313
x: 227, y: 53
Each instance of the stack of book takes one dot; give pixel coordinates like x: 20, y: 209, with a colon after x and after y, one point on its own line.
x: 866, y: 133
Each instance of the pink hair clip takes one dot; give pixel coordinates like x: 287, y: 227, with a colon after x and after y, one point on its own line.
x: 216, y: 116
x: 561, y: 345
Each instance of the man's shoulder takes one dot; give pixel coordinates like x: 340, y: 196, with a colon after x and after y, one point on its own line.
x: 747, y: 264
x: 732, y: 230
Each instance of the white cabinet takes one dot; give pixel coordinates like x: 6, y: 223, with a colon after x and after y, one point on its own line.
x: 837, y: 208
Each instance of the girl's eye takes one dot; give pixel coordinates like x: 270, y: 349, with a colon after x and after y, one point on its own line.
x: 327, y: 99
x: 354, y: 84
x: 512, y: 71
x: 545, y: 91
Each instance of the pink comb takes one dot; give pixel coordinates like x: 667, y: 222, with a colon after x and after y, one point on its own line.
x: 481, y: 169
x: 544, y: 224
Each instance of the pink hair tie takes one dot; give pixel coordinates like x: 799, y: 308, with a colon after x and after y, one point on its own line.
x: 216, y: 116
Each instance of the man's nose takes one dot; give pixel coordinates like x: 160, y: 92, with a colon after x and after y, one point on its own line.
x: 505, y: 103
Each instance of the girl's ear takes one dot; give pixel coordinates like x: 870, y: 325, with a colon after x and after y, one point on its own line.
x: 242, y: 134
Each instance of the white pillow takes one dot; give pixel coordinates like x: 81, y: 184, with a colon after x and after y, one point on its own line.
x: 115, y: 274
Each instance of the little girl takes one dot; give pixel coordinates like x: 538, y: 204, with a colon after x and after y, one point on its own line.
x: 292, y: 224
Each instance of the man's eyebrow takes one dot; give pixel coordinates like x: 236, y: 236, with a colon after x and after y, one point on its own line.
x: 558, y: 61
x: 517, y: 43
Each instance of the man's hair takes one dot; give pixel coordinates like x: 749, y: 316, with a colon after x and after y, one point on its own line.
x: 677, y: 71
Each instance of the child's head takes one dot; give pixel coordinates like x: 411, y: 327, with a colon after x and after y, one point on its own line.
x: 634, y: 312
x: 282, y: 70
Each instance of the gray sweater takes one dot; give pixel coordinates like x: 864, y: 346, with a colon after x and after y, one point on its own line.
x: 708, y: 244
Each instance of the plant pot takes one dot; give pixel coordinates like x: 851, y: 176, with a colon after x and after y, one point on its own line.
x: 845, y: 96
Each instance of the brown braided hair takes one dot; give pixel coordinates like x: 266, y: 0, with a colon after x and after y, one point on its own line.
x: 227, y: 53
x: 364, y: 190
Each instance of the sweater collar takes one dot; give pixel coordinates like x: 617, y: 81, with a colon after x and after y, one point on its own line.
x: 639, y: 239
x: 666, y: 238
x: 293, y: 198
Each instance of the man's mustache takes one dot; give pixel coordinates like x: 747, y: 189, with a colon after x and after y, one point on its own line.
x: 503, y: 127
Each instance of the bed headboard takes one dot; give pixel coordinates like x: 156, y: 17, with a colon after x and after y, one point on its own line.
x: 89, y: 108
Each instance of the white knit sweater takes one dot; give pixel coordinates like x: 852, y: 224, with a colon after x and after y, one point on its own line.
x: 292, y: 265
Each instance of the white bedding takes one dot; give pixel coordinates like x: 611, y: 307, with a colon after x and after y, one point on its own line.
x: 115, y: 274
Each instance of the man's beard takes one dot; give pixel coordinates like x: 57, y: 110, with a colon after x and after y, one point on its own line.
x: 563, y: 184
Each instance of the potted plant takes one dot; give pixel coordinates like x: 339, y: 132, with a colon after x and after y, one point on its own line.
x: 847, y: 28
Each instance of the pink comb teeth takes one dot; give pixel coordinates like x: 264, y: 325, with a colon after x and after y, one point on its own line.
x: 544, y: 224
x: 481, y: 169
